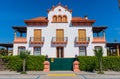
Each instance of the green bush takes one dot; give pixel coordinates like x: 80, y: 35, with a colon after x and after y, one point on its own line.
x: 32, y: 63
x: 13, y: 62
x: 90, y: 63
x: 35, y: 62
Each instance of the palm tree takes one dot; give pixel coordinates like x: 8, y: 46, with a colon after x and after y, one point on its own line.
x: 99, y: 55
x: 24, y: 55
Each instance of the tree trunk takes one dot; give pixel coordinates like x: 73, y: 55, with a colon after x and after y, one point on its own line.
x: 101, y: 65
x: 23, y: 65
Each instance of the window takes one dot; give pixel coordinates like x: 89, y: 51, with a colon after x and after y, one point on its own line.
x: 54, y: 18
x: 64, y: 18
x: 82, y: 51
x: 22, y: 48
x: 37, y: 50
x: 98, y: 47
x: 59, y: 18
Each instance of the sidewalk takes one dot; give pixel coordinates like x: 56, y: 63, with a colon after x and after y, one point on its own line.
x: 60, y: 75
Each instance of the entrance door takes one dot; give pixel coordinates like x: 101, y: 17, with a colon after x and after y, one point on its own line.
x: 81, y: 35
x: 59, y: 35
x: 60, y: 52
x: 37, y: 35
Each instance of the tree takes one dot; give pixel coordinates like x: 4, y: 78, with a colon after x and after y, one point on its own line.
x: 24, y: 55
x: 99, y: 55
x: 3, y: 52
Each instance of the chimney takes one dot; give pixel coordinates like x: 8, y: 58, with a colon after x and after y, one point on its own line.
x: 86, y: 17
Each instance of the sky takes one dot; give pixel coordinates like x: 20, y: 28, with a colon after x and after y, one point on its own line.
x: 14, y: 12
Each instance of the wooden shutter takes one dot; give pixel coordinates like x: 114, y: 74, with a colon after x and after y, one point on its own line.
x: 37, y: 35
x: 81, y: 35
x: 59, y: 35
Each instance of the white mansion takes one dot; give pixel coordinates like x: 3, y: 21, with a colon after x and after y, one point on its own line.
x: 59, y: 35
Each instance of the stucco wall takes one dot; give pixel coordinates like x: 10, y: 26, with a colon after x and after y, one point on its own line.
x: 69, y: 31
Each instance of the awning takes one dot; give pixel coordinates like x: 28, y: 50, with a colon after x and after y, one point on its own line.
x: 21, y: 29
x: 97, y: 29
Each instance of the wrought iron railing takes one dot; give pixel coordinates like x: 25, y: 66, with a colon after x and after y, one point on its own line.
x: 59, y: 39
x: 79, y: 39
x: 36, y: 39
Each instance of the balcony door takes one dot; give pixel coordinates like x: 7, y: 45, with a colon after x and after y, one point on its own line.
x: 37, y: 34
x: 81, y: 35
x: 60, y: 52
x: 59, y: 35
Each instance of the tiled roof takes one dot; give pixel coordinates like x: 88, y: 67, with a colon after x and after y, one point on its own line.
x: 38, y: 19
x: 79, y: 19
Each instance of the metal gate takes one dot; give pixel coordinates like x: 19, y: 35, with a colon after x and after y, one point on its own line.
x: 61, y: 64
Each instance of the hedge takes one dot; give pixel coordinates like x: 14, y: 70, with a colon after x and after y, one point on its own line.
x: 32, y: 63
x: 87, y: 63
x: 90, y: 63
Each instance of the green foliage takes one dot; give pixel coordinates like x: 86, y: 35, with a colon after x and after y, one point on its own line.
x: 32, y: 63
x: 35, y: 63
x: 3, y: 52
x: 24, y: 54
x: 99, y: 56
x: 89, y: 63
x: 13, y: 62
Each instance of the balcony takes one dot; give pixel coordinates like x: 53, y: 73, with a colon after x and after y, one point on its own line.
x: 37, y: 40
x: 82, y: 40
x: 56, y: 40
x: 99, y: 40
x: 20, y: 40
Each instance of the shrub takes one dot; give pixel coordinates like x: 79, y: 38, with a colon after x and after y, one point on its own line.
x: 90, y: 63
x: 87, y: 63
x: 32, y: 63
x: 13, y: 62
x: 35, y: 62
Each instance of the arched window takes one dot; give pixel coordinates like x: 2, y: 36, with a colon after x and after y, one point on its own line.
x: 59, y: 18
x: 64, y: 18
x: 54, y: 18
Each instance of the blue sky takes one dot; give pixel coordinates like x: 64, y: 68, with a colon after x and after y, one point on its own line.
x: 14, y: 12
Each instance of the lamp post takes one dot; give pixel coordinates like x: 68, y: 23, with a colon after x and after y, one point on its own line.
x: 46, y: 57
x: 76, y: 57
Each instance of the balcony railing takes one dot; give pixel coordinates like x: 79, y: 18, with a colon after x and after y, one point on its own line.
x: 20, y: 40
x: 99, y: 40
x: 37, y: 40
x: 59, y: 40
x: 79, y: 40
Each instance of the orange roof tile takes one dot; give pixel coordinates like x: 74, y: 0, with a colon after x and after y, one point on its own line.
x: 38, y: 19
x: 79, y: 19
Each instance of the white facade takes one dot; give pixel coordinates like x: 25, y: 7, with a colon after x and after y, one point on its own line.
x: 71, y: 32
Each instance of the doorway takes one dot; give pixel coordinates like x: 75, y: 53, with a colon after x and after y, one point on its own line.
x: 60, y: 52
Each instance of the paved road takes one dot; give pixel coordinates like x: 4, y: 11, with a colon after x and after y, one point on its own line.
x: 60, y: 75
